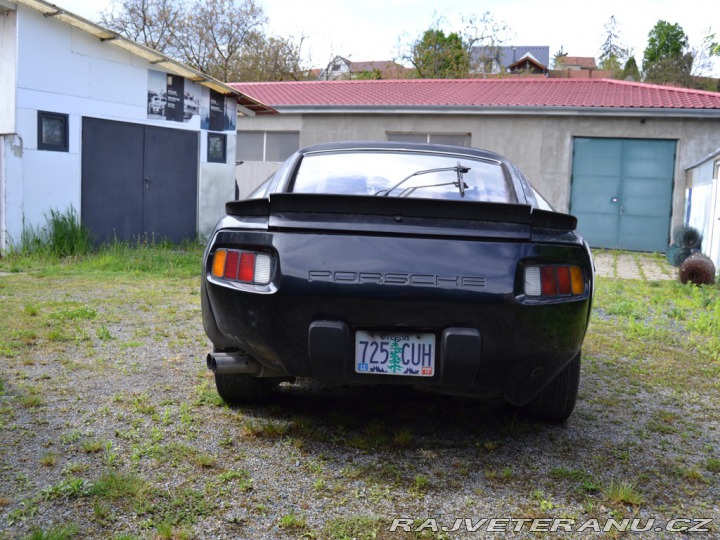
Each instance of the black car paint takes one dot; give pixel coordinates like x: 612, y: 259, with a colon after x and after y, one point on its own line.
x: 492, y: 339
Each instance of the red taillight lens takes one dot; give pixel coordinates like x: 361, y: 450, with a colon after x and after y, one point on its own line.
x: 243, y: 266
x: 247, y: 267
x: 563, y: 280
x: 550, y: 280
x: 231, y: 265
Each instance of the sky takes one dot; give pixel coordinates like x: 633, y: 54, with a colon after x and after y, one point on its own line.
x: 363, y: 30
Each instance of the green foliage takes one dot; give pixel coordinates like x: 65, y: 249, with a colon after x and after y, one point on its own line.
x: 665, y: 40
x: 122, y: 258
x: 70, y: 487
x: 666, y: 59
x: 368, y: 75
x: 437, y: 56
x: 675, y: 70
x: 355, y: 528
x: 558, y: 58
x: 291, y: 521
x: 631, y: 70
x: 65, y: 532
x: 62, y: 236
x: 622, y: 492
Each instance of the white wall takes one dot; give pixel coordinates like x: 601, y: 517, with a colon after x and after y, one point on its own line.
x: 703, y: 207
x: 7, y: 70
x: 65, y: 70
x: 8, y: 20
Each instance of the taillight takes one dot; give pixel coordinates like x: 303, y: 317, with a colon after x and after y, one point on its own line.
x: 241, y: 266
x: 553, y: 280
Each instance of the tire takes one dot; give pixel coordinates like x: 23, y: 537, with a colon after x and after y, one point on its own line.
x: 242, y: 388
x: 555, y: 402
x: 688, y: 238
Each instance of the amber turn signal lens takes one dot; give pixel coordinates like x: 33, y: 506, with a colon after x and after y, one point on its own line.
x: 576, y: 278
x: 218, y: 265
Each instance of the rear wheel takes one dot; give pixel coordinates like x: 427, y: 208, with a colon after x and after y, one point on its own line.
x: 555, y: 403
x: 242, y: 388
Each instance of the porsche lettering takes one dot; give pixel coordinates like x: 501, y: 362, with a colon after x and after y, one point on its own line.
x: 397, y: 278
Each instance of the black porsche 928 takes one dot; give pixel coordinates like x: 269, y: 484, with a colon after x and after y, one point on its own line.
x: 379, y: 263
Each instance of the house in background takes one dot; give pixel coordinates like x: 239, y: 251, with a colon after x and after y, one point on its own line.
x: 613, y: 153
x: 578, y: 67
x: 509, y: 59
x: 135, y: 142
x: 528, y: 65
x: 342, y: 68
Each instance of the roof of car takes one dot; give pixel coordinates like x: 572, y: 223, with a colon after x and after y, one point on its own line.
x: 406, y: 146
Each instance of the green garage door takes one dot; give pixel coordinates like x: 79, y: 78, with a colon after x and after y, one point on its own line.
x: 622, y: 192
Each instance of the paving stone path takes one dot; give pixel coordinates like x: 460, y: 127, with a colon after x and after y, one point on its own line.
x: 625, y: 265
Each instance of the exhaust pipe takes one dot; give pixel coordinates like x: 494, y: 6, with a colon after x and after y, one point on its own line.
x: 225, y: 363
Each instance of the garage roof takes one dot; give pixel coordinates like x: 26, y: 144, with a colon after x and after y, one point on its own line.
x: 156, y: 58
x: 559, y: 96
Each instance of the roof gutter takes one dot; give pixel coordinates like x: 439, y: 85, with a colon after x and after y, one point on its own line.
x: 638, y: 112
x: 707, y: 158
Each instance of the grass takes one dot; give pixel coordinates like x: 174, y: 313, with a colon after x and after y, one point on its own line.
x: 159, y: 449
x: 62, y: 236
x: 671, y: 338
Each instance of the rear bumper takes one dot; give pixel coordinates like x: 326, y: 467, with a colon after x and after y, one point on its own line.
x: 490, y: 339
x: 509, y: 350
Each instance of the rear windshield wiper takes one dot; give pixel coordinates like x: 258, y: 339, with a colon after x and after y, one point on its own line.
x: 459, y: 183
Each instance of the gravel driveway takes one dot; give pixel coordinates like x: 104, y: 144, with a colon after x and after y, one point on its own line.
x: 114, y: 430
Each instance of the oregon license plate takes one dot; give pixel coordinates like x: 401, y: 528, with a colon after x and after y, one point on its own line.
x: 395, y: 354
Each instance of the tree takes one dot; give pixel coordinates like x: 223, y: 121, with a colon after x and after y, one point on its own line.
x: 612, y: 53
x: 223, y: 38
x: 666, y: 60
x: 558, y: 58
x: 440, y: 55
x: 631, y: 72
x: 270, y: 58
x: 665, y: 41
x: 150, y: 22
x: 483, y: 36
x: 437, y: 56
x: 214, y: 33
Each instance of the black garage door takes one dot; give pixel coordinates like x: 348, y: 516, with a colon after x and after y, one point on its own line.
x: 138, y: 181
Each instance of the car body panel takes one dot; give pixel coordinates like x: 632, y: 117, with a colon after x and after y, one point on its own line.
x: 343, y: 263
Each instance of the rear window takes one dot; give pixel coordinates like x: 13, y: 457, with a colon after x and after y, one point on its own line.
x: 404, y: 174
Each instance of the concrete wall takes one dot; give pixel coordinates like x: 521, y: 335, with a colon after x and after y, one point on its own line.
x: 66, y: 70
x: 541, y: 146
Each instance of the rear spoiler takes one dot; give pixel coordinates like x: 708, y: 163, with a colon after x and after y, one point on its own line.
x: 283, y: 204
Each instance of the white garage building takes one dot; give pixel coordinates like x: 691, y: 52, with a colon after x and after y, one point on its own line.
x: 136, y: 143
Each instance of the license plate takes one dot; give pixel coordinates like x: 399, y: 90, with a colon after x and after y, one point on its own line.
x: 395, y: 354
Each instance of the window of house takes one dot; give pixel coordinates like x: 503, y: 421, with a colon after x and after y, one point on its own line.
x: 459, y: 139
x: 52, y: 131
x: 273, y: 146
x: 217, y: 148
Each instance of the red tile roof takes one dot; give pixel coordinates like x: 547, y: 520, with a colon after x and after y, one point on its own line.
x: 478, y: 94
